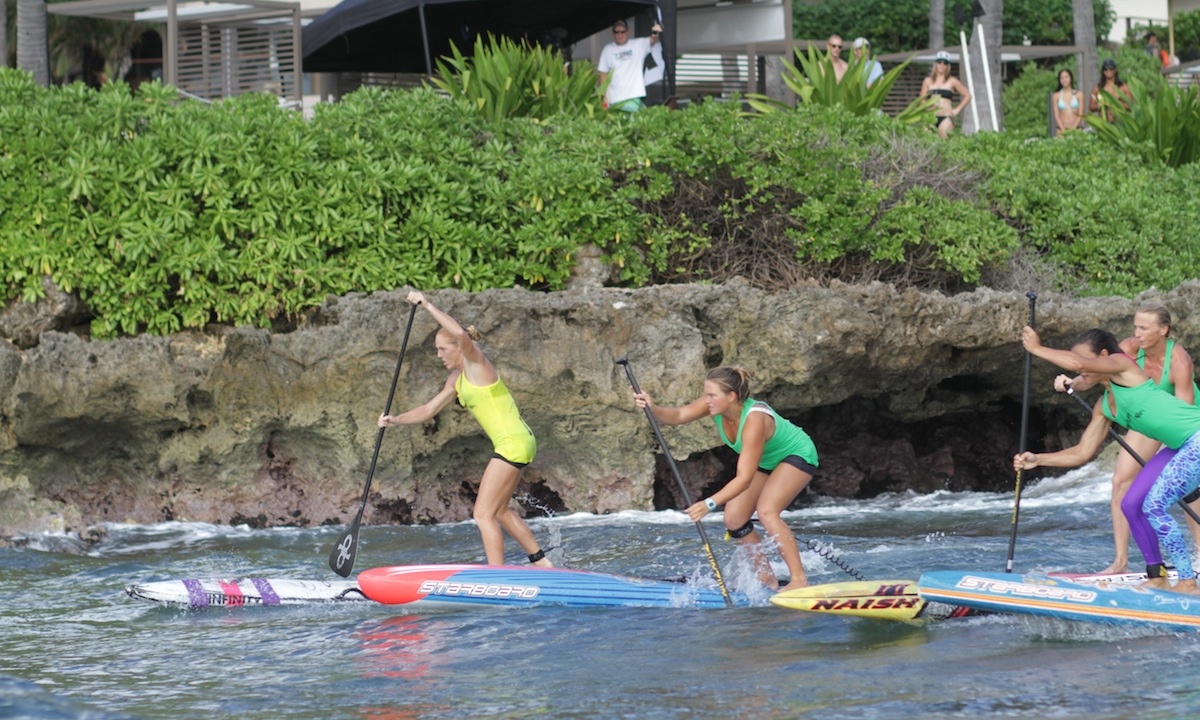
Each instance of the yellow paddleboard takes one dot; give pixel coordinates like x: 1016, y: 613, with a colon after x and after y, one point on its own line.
x: 894, y: 600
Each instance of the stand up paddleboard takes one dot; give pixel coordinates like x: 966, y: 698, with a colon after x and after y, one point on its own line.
x: 1113, y: 603
x: 458, y: 586
x: 895, y: 600
x: 1126, y: 578
x: 195, y: 593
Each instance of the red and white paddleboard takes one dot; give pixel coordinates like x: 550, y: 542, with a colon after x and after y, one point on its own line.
x: 526, y: 586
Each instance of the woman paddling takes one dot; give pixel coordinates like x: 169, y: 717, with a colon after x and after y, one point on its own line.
x: 1133, y: 400
x: 475, y: 382
x: 1170, y: 367
x: 776, y: 460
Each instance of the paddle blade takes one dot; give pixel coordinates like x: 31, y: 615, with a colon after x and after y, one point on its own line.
x: 341, y: 559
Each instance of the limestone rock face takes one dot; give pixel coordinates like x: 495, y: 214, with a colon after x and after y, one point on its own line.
x: 900, y: 391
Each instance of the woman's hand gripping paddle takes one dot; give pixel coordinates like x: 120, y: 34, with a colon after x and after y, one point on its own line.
x: 341, y: 559
x: 712, y: 559
x: 1012, y: 539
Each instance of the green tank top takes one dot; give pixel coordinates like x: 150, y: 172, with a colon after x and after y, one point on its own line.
x: 1153, y: 413
x: 493, y: 406
x: 787, y: 440
x: 1164, y: 383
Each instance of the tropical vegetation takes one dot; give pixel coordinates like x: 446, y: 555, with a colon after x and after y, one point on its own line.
x: 165, y: 214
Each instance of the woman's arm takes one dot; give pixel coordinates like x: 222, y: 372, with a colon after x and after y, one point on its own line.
x: 1058, y: 118
x: 1119, y: 367
x: 963, y: 91
x: 924, y: 88
x: 1094, y: 103
x: 1183, y: 373
x: 1089, y: 445
x: 681, y: 415
x: 424, y: 412
x: 755, y: 431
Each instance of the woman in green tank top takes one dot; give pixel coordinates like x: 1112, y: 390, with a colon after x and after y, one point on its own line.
x: 776, y: 461
x: 1132, y: 399
x: 1171, y: 368
x: 475, y: 381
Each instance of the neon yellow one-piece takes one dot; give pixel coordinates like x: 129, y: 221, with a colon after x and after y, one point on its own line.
x: 493, y: 406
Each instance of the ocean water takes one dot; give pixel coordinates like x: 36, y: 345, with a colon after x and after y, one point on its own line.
x: 74, y: 646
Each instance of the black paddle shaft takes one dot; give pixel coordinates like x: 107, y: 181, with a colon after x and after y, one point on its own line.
x: 662, y: 443
x: 1121, y: 441
x: 341, y: 558
x: 1012, y: 538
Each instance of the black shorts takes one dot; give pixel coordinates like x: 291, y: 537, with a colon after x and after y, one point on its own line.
x: 517, y: 465
x: 797, y: 462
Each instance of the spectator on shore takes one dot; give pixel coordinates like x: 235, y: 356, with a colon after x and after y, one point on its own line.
x: 1112, y: 84
x: 871, y: 67
x: 942, y: 86
x: 1067, y: 103
x: 835, y: 57
x: 1154, y: 50
x: 624, y: 59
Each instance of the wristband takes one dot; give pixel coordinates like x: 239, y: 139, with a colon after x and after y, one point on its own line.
x: 710, y: 504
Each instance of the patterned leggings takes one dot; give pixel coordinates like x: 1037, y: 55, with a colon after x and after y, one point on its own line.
x: 1178, y: 478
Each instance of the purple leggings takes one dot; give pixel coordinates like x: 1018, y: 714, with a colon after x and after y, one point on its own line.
x: 1166, y: 478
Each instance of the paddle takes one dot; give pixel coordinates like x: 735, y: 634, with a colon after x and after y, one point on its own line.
x: 1120, y: 440
x: 1012, y: 538
x: 341, y: 559
x: 662, y: 443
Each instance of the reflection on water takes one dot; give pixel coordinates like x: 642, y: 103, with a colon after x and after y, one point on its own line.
x: 72, y: 645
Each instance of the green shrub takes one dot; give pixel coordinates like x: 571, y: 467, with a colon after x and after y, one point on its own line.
x: 165, y: 214
x: 1162, y: 124
x: 504, y: 79
x: 817, y: 84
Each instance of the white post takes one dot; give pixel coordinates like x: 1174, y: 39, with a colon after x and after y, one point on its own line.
x: 987, y: 77
x: 964, y: 61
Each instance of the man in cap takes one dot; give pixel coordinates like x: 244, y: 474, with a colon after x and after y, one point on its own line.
x: 871, y: 68
x: 623, y: 59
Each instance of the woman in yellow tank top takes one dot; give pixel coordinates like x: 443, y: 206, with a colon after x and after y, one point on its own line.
x: 475, y: 382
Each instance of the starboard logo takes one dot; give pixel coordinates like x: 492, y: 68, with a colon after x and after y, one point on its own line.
x: 1022, y: 589
x: 466, y: 589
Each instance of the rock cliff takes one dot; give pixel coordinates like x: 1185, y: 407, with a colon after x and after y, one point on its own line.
x: 900, y: 390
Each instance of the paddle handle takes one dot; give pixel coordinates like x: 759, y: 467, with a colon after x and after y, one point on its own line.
x: 345, y: 550
x: 662, y: 443
x: 1023, y: 441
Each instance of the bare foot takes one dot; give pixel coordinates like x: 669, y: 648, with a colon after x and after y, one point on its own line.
x: 795, y: 584
x: 1187, y: 587
x: 1118, y: 566
x: 766, y: 577
x: 1161, y: 583
x: 544, y: 562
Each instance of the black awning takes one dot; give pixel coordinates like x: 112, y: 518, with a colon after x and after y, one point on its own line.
x: 386, y: 35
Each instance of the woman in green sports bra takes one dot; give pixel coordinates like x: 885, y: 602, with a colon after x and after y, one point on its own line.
x: 776, y: 461
x: 1171, y: 368
x: 475, y: 382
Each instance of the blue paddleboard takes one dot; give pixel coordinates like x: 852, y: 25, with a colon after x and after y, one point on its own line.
x: 1113, y: 603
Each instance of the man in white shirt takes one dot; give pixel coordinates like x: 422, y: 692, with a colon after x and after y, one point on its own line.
x: 623, y: 59
x: 872, y: 69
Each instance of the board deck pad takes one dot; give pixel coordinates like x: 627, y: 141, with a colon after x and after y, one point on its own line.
x: 895, y: 600
x: 521, y: 586
x: 202, y: 593
x: 1103, y: 602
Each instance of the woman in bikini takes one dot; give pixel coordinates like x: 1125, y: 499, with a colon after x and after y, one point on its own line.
x: 776, y: 460
x: 1068, y: 104
x: 1112, y: 87
x: 1170, y: 367
x: 1132, y: 399
x: 478, y: 387
x: 942, y: 86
